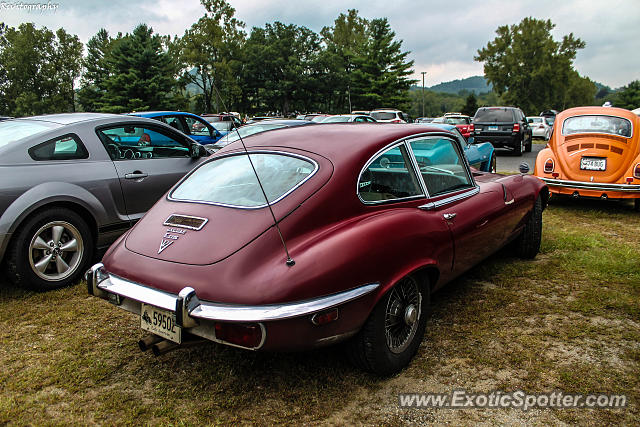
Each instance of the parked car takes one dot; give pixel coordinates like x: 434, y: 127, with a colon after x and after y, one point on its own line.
x: 74, y: 182
x: 424, y: 119
x: 361, y: 112
x: 539, y: 127
x: 549, y: 117
x: 5, y: 118
x: 389, y: 116
x: 461, y: 121
x: 349, y: 118
x: 258, y: 127
x: 370, y: 228
x: 481, y: 156
x: 504, y: 127
x: 190, y: 124
x: 594, y: 152
x: 224, y: 122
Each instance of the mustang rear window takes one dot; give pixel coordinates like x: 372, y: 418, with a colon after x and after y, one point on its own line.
x: 597, y: 124
x: 13, y: 130
x: 230, y: 181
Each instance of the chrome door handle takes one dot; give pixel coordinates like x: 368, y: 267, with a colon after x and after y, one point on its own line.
x: 449, y: 216
x: 136, y: 175
x: 509, y: 202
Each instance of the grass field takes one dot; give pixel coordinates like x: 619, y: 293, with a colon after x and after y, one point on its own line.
x: 568, y: 320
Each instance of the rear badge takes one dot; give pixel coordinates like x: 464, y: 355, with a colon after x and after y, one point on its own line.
x: 164, y: 244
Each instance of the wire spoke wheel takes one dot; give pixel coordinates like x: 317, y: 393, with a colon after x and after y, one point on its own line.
x: 402, y: 314
x: 56, y: 250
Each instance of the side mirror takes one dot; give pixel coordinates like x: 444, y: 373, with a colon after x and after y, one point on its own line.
x: 471, y: 140
x: 196, y: 151
x: 524, y: 168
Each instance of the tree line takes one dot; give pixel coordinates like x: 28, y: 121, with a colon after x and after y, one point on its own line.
x: 355, y: 63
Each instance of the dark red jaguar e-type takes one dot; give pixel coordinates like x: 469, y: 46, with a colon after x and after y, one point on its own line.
x: 371, y: 219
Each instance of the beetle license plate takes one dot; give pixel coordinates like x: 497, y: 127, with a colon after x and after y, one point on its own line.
x: 593, y: 163
x: 160, y: 322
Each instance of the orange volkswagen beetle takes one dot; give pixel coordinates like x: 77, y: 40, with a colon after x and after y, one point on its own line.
x: 593, y: 152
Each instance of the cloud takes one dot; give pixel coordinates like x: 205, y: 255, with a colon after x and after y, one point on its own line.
x: 443, y: 36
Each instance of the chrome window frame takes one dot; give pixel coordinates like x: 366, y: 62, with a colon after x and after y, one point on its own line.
x: 596, y: 132
x: 243, y: 153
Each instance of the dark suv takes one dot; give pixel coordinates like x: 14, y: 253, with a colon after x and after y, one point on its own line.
x: 504, y: 127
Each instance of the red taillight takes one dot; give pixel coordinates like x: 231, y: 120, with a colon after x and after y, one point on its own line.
x: 516, y: 127
x: 549, y: 166
x: 540, y: 126
x: 472, y: 128
x: 247, y: 335
x: 629, y: 179
x: 636, y: 171
x: 396, y: 121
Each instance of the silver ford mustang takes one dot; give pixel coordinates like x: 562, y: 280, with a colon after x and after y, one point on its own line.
x: 72, y: 183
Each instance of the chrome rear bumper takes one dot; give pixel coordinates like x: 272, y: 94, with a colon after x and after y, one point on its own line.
x: 197, y: 315
x: 596, y: 186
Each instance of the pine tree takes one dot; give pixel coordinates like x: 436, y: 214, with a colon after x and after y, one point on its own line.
x: 96, y: 70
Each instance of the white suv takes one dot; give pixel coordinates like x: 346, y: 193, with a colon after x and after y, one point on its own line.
x: 389, y: 116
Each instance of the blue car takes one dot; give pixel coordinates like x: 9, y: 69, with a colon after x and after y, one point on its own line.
x: 481, y: 156
x: 195, y: 126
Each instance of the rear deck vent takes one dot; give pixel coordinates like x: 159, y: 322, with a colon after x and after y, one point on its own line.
x: 602, y: 146
x: 616, y: 150
x: 186, y: 221
x: 573, y: 148
x: 586, y: 146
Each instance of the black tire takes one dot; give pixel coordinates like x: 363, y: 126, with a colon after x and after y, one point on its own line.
x: 493, y: 168
x: 71, y: 243
x: 374, y: 348
x: 529, y: 146
x: 636, y: 205
x: 528, y: 243
x: 519, y: 148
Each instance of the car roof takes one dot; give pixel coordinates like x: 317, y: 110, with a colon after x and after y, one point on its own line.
x: 69, y: 118
x: 339, y: 142
x: 160, y: 113
x: 288, y: 122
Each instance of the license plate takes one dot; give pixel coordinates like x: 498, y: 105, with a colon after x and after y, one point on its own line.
x: 593, y: 164
x: 492, y: 128
x: 160, y: 322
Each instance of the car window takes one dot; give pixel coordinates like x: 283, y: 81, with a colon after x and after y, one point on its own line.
x: 336, y: 119
x: 382, y: 115
x: 67, y: 147
x: 441, y: 165
x: 128, y: 142
x: 174, y: 122
x: 13, y: 130
x: 597, y: 124
x: 222, y: 126
x: 196, y: 126
x: 389, y: 176
x: 493, y: 115
x: 231, y: 180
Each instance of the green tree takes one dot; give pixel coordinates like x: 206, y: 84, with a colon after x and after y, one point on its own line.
x: 380, y: 74
x: 471, y: 105
x: 96, y: 70
x: 210, y: 52
x: 527, y: 67
x: 344, y: 42
x: 141, y: 74
x: 629, y: 96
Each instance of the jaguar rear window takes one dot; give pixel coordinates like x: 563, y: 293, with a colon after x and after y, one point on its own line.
x: 231, y: 181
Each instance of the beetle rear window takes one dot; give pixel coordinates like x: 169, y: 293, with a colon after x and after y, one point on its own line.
x: 597, y: 124
x: 231, y: 181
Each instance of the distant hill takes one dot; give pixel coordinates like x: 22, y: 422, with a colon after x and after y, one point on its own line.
x: 476, y: 84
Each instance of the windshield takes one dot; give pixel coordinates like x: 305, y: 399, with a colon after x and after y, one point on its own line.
x: 336, y: 119
x: 14, y: 130
x: 245, y: 131
x: 597, y: 124
x: 230, y: 181
x: 534, y: 119
x: 381, y: 115
x: 493, y: 115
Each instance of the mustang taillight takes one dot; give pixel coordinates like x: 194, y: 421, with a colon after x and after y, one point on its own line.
x: 247, y: 335
x: 549, y: 166
x: 516, y: 127
x: 636, y: 171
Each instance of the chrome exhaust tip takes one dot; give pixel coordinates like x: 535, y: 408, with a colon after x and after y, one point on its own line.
x: 146, y: 342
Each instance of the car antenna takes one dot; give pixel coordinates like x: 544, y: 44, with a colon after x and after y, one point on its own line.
x: 290, y: 262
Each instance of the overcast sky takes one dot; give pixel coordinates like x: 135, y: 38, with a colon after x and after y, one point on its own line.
x: 442, y: 35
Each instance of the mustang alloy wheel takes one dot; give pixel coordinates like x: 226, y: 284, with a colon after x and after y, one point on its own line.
x: 393, y: 332
x: 51, y: 250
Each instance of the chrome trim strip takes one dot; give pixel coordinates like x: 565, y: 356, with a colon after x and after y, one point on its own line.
x: 416, y: 167
x: 438, y: 203
x: 231, y: 312
x: 243, y: 153
x: 264, y: 313
x: 170, y: 224
x: 591, y: 185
